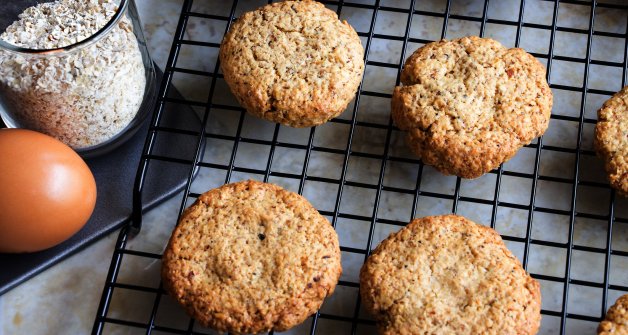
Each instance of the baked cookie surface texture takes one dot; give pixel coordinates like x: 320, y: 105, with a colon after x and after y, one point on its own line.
x: 469, y: 104
x: 616, y: 321
x: 611, y: 139
x: 251, y: 257
x: 292, y: 62
x: 448, y: 275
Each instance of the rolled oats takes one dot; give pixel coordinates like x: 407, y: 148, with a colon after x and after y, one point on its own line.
x: 83, y: 97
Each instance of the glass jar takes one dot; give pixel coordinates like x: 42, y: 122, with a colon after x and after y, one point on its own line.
x: 79, y: 71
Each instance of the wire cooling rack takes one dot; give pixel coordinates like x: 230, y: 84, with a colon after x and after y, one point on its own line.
x: 551, y: 203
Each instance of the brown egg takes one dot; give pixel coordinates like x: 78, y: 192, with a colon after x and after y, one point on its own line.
x: 47, y: 192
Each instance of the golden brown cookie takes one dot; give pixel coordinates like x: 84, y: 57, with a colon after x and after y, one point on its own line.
x: 292, y: 62
x: 616, y: 322
x: 611, y: 139
x: 250, y: 257
x: 469, y: 104
x: 448, y: 275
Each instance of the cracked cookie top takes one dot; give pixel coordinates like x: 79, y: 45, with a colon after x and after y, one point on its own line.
x: 292, y: 62
x: 251, y: 257
x: 469, y: 104
x: 448, y: 275
x: 611, y: 139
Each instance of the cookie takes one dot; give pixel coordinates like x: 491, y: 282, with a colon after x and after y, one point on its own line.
x: 611, y: 139
x: 469, y: 104
x: 292, y: 62
x: 251, y: 257
x: 448, y: 275
x: 616, y: 321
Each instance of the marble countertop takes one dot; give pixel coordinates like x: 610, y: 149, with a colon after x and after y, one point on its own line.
x: 64, y: 299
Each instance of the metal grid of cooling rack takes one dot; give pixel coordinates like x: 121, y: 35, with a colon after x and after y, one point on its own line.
x: 587, y: 200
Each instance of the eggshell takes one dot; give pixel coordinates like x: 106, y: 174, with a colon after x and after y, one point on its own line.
x: 47, y: 192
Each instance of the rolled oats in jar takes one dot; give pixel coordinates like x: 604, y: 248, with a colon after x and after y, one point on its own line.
x: 76, y: 70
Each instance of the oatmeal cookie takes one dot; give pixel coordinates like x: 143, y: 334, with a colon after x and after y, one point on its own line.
x: 616, y: 322
x: 251, y: 257
x: 469, y: 104
x: 611, y: 139
x: 448, y: 275
x: 292, y: 62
